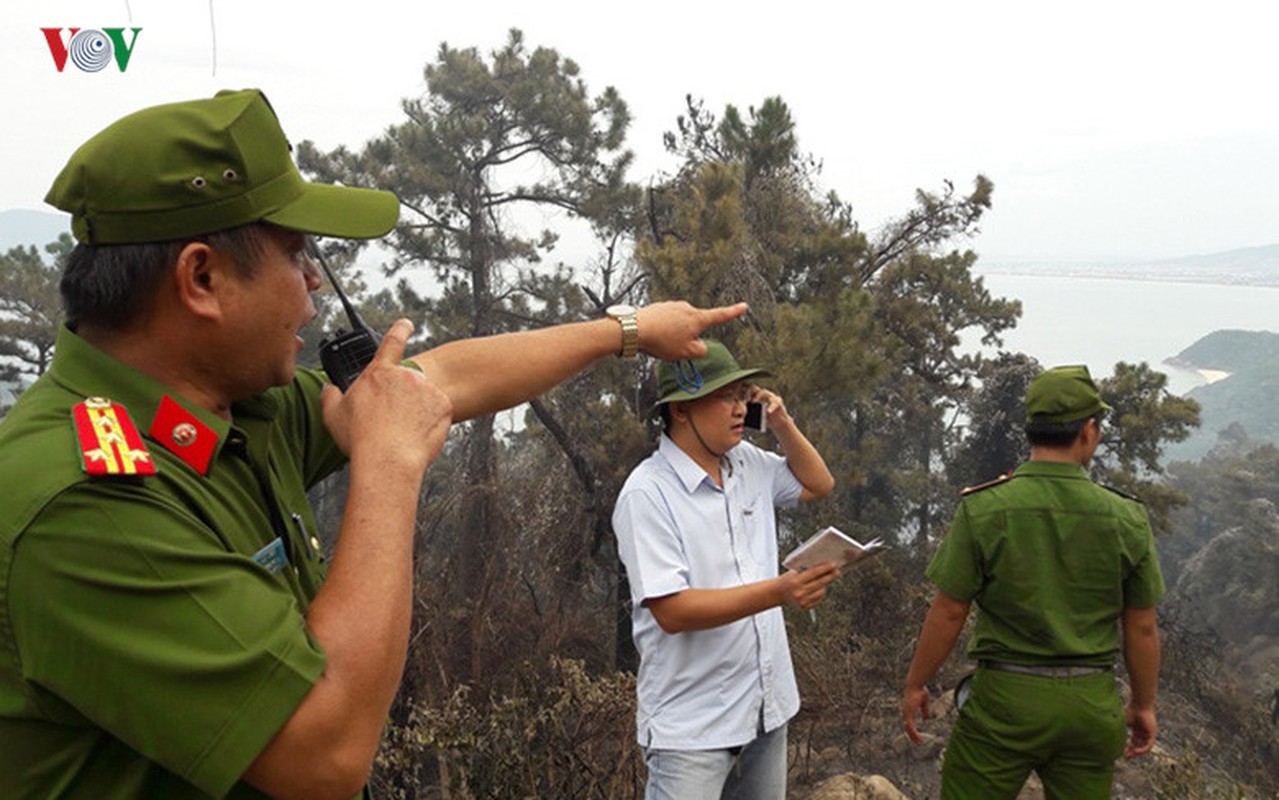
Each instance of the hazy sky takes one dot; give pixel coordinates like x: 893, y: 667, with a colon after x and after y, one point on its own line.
x: 1111, y: 129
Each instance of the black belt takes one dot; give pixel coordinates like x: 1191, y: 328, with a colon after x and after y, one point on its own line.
x: 1045, y: 670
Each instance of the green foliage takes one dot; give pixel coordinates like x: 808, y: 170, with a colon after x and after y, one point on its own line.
x: 461, y: 165
x: 924, y: 301
x: 1146, y: 417
x: 935, y: 221
x: 1220, y: 490
x: 708, y: 241
x: 995, y: 441
x: 30, y: 308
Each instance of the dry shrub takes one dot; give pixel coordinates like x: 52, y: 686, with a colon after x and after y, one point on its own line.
x: 562, y: 733
x: 850, y: 666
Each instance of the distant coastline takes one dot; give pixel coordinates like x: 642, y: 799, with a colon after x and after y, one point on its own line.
x: 1210, y: 375
x: 1246, y: 266
x: 1265, y: 281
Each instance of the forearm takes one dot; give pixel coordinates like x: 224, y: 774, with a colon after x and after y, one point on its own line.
x: 361, y: 617
x: 701, y: 609
x: 941, y: 629
x: 1142, y: 655
x: 492, y: 373
x: 480, y: 376
x: 805, y: 463
x: 362, y: 614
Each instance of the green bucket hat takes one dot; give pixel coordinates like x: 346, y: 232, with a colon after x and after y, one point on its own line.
x: 185, y: 169
x: 1063, y: 394
x: 690, y: 379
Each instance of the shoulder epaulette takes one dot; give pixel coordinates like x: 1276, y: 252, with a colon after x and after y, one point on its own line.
x: 967, y: 490
x: 109, y: 441
x: 1122, y: 493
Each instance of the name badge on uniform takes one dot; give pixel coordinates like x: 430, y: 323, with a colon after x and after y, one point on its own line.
x: 272, y: 556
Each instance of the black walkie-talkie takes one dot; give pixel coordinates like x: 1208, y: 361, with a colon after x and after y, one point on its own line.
x: 343, y: 354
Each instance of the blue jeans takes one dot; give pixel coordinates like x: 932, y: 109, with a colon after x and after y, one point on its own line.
x: 756, y: 771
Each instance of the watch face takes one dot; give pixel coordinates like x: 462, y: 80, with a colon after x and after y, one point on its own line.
x: 621, y: 310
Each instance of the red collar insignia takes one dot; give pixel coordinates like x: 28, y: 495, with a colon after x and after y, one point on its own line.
x: 183, y: 434
x: 109, y: 442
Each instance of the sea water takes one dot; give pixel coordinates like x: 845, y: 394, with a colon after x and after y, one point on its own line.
x: 1101, y: 321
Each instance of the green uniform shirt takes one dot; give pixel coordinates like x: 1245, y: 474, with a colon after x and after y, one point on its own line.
x: 1051, y: 559
x: 144, y: 652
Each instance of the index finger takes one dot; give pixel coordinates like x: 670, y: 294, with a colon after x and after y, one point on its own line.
x: 721, y: 314
x: 391, y: 350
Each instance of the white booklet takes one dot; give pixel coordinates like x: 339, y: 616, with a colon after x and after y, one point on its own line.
x: 831, y: 544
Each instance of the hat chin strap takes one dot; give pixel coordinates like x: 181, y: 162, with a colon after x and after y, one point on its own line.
x: 702, y: 442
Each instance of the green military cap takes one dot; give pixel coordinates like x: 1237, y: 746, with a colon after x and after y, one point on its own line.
x: 185, y: 169
x: 1063, y: 394
x: 690, y: 379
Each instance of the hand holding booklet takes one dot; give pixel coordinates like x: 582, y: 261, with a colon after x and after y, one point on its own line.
x: 831, y: 544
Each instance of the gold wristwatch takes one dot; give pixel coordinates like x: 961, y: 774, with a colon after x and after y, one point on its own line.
x: 626, y: 317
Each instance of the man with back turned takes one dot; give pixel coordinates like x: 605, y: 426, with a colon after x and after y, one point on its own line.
x: 169, y: 624
x: 1065, y: 576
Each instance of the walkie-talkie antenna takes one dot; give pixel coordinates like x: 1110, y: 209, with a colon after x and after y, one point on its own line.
x: 345, y: 355
x: 356, y: 322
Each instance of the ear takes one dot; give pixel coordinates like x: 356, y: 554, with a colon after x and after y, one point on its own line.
x: 679, y: 411
x: 1090, y: 432
x: 200, y: 274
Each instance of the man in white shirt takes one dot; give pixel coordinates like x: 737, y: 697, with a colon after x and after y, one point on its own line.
x: 697, y: 532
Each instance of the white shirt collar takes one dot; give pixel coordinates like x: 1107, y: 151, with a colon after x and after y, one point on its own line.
x: 690, y: 473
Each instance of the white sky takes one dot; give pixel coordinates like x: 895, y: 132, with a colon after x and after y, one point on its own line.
x: 1111, y: 129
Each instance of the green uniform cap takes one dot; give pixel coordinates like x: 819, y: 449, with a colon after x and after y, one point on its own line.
x: 1063, y: 394
x: 678, y: 381
x: 184, y: 169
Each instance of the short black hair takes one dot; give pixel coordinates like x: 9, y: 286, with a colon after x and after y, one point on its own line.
x: 108, y: 285
x: 664, y: 411
x: 1058, y: 434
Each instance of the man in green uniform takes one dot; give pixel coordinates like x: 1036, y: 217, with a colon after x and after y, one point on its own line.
x: 169, y: 625
x: 1057, y: 566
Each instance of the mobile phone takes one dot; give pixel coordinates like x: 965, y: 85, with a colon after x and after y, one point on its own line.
x: 344, y: 354
x: 755, y: 419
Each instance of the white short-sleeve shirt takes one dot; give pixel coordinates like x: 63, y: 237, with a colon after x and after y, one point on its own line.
x: 677, y: 530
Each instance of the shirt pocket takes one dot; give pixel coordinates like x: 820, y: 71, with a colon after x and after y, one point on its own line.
x: 754, y: 526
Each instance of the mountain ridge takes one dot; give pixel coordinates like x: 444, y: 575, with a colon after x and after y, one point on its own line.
x: 1244, y: 398
x: 28, y: 227
x: 1250, y: 266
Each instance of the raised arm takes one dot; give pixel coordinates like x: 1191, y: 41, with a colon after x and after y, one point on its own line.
x: 804, y: 461
x: 491, y: 373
